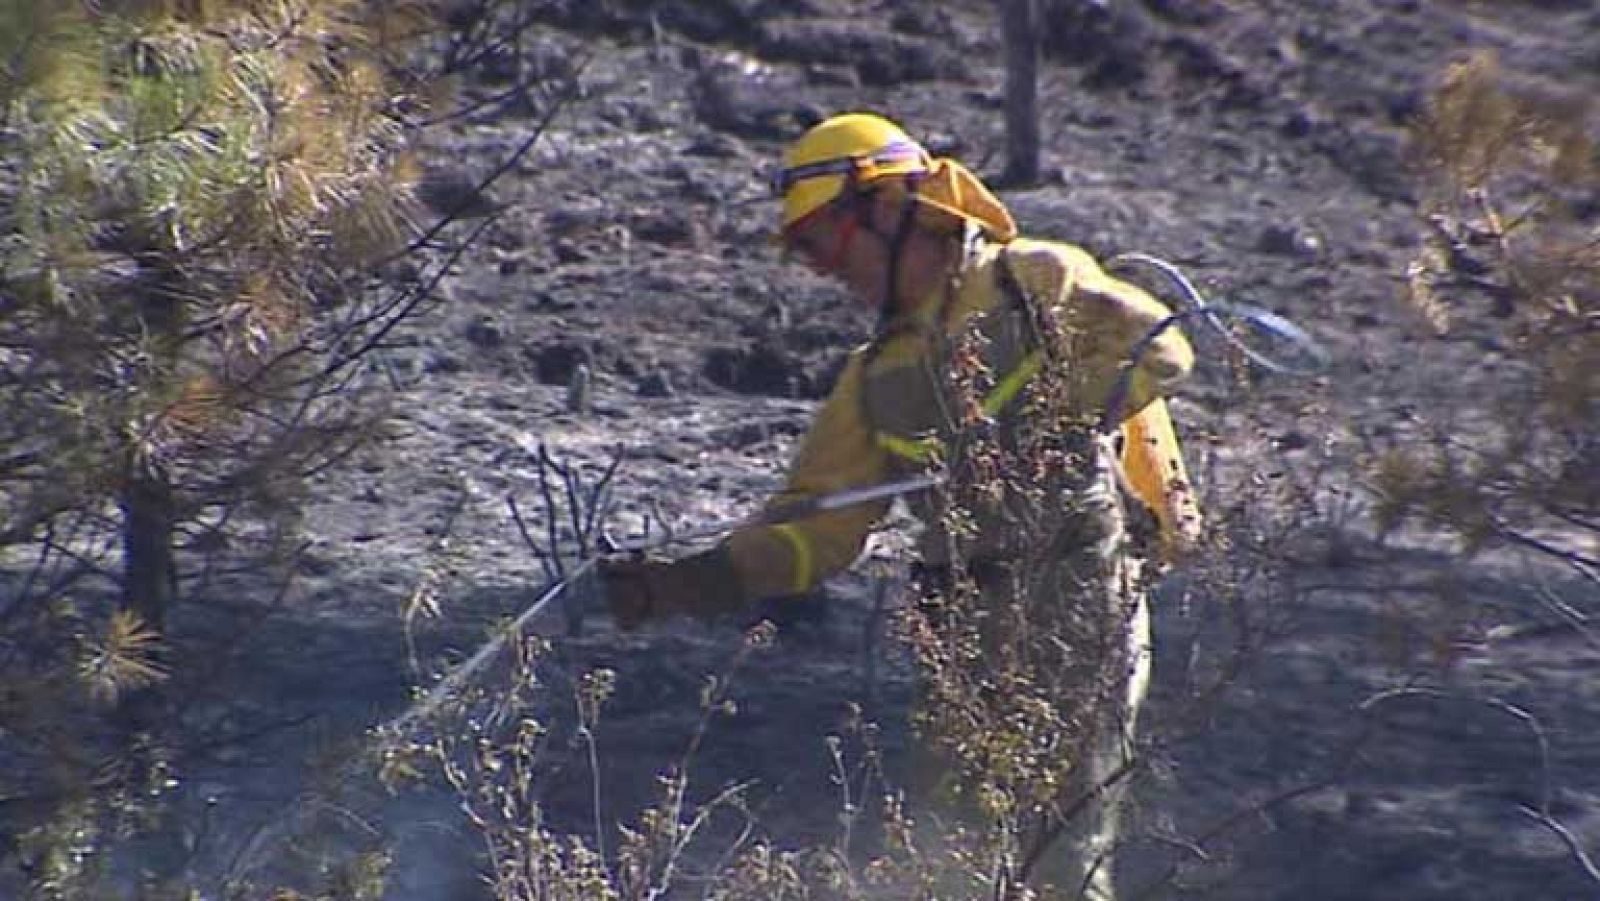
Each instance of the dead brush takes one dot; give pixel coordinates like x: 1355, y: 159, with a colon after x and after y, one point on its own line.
x: 1023, y: 666
x: 498, y: 750
x: 1505, y: 168
x: 1510, y: 258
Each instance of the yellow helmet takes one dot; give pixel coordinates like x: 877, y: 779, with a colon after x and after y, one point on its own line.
x: 839, y: 153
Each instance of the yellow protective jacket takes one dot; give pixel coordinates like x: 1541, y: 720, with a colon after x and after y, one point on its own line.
x: 888, y: 404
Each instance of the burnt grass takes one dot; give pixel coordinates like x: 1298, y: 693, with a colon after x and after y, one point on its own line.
x: 1260, y: 145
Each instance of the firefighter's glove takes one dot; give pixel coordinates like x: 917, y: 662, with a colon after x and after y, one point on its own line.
x: 640, y: 589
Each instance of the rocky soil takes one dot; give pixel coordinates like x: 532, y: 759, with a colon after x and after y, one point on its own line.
x: 1258, y: 143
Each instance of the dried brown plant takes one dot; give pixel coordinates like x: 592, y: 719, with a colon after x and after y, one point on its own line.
x: 1505, y: 168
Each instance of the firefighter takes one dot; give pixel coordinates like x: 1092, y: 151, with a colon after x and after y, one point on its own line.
x: 921, y: 241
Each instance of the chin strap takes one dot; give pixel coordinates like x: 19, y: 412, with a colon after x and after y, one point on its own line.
x: 897, y: 245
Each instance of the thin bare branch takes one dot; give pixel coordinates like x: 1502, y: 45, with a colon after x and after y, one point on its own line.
x: 1574, y: 847
x: 552, y: 512
x: 551, y: 568
x: 1528, y: 721
x: 1583, y: 562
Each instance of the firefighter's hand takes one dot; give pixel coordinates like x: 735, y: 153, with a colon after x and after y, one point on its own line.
x: 629, y: 588
x: 640, y: 589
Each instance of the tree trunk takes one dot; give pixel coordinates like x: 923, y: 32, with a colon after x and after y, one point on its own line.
x: 1020, y: 26
x: 149, y: 569
x: 149, y: 514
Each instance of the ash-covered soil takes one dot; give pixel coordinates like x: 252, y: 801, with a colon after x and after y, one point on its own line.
x: 1257, y: 144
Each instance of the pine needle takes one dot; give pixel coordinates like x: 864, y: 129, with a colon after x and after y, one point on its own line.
x: 121, y: 660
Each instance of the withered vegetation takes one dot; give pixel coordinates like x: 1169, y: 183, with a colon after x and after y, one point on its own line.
x: 1512, y: 254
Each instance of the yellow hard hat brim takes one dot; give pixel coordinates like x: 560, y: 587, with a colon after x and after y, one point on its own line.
x: 806, y: 197
x: 942, y: 185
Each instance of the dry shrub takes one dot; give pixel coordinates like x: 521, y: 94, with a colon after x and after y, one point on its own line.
x: 1027, y: 653
x: 1511, y: 180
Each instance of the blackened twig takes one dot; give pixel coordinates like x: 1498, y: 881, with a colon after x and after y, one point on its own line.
x: 1574, y: 847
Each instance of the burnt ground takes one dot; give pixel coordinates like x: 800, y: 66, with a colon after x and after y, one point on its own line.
x: 1258, y: 144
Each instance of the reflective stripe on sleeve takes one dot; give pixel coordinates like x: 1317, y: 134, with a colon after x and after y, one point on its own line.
x: 915, y: 449
x: 800, y: 545
x: 1012, y: 383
